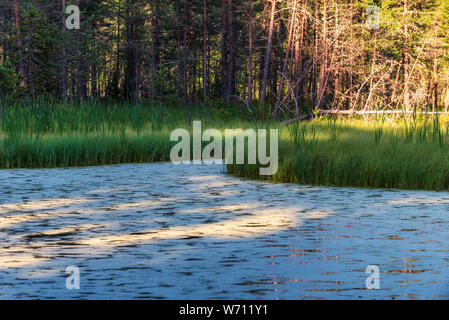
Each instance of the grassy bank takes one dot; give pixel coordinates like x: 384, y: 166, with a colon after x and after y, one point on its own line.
x: 409, y: 154
x: 405, y: 154
x: 45, y: 133
x: 62, y: 135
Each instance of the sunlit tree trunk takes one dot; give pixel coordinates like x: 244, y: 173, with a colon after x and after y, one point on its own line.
x: 406, y: 59
x: 323, y: 67
x: 284, y: 68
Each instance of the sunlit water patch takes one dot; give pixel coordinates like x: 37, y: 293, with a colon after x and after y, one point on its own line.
x: 189, y: 231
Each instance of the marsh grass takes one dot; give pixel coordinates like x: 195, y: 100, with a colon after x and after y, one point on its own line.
x: 410, y: 152
x: 45, y: 133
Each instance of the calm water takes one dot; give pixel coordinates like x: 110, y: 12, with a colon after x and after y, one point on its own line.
x: 191, y: 232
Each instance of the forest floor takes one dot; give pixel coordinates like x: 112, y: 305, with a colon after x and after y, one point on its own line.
x: 405, y: 153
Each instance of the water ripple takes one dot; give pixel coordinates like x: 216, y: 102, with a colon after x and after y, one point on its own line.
x: 160, y: 231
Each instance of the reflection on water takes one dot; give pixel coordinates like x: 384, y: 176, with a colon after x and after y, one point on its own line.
x: 189, y: 231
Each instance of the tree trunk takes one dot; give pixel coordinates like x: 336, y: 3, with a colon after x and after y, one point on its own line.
x: 63, y: 62
x: 284, y: 68
x: 323, y: 67
x: 179, y: 25
x: 434, y: 92
x: 205, y: 52
x: 299, y: 89
x: 20, y: 63
x: 263, y: 85
x: 250, y: 49
x: 314, y: 78
x: 188, y: 93
x: 156, y: 34
x: 406, y: 59
x: 373, y: 68
x: 351, y: 56
x: 131, y: 90
x: 230, y: 63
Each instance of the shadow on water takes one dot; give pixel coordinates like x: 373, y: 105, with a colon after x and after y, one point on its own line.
x: 165, y: 231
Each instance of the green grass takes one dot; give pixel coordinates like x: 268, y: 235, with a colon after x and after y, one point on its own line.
x: 408, y: 153
x: 83, y: 150
x: 43, y: 133
x: 46, y: 134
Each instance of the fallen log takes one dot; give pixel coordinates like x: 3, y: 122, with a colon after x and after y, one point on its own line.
x: 312, y: 115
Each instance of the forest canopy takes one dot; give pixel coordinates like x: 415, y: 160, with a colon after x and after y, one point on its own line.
x: 282, y: 57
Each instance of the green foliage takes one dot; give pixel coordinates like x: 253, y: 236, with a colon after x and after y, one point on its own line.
x: 38, y: 47
x: 164, y: 87
x: 9, y: 79
x: 224, y: 111
x: 223, y: 114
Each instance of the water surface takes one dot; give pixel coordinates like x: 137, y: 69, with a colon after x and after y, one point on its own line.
x: 161, y: 231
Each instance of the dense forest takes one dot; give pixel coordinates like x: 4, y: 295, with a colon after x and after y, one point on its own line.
x: 281, y: 58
